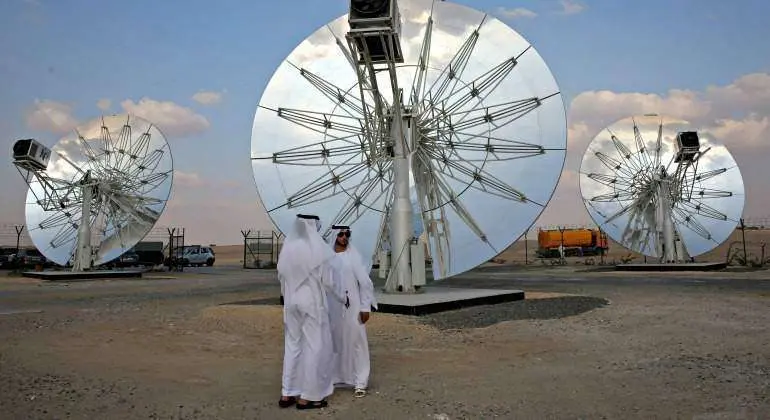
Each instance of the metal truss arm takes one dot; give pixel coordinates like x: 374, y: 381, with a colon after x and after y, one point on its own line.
x: 351, y: 211
x: 321, y: 122
x: 611, y: 181
x: 325, y: 186
x: 418, y: 84
x: 685, y: 219
x: 614, y: 165
x: 702, y: 209
x: 479, y: 178
x: 480, y: 86
x: 498, y: 148
x: 452, y: 73
x: 497, y: 116
x: 451, y: 198
x: 349, y: 103
x: 313, y: 153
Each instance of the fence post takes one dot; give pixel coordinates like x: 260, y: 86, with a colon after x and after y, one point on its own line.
x: 604, y: 243
x: 743, y: 235
x: 526, y: 248
x: 19, y: 230
x: 245, y: 234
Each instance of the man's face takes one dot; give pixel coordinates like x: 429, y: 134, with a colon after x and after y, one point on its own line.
x: 342, y: 238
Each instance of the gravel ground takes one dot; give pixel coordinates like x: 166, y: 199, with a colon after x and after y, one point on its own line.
x: 486, y: 315
x: 180, y: 349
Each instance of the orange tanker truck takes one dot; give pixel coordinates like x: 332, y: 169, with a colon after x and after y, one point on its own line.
x: 577, y: 242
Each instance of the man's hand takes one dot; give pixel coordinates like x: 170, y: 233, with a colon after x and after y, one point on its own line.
x: 363, y: 317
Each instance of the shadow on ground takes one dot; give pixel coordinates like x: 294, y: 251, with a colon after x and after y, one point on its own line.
x: 487, y: 315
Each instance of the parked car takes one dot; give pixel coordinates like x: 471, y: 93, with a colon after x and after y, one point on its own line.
x: 29, y: 257
x: 7, y: 257
x: 128, y: 259
x: 195, y: 255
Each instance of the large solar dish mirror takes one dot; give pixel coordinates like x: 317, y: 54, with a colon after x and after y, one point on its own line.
x: 452, y: 113
x: 662, y: 188
x: 99, y: 191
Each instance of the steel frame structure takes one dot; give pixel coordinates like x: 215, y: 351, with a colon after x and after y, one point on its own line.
x: 420, y: 134
x: 109, y: 192
x: 657, y: 194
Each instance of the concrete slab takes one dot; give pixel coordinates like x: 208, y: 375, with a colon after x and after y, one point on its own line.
x: 82, y: 275
x: 705, y: 266
x: 434, y: 299
x: 19, y: 311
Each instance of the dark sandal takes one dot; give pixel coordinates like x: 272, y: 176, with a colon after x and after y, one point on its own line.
x: 312, y: 404
x: 287, y: 403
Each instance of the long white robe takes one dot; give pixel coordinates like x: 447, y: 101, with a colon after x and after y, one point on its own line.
x: 351, y: 347
x: 304, y: 273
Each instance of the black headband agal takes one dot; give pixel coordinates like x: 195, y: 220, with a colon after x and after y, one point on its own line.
x: 340, y: 227
x: 308, y: 216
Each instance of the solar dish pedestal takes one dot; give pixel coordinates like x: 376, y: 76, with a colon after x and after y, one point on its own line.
x: 434, y: 299
x: 704, y: 266
x: 82, y: 275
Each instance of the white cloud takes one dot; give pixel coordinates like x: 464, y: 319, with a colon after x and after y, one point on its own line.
x: 571, y: 7
x: 104, y: 104
x: 173, y: 119
x: 206, y: 97
x: 592, y: 110
x: 750, y: 132
x: 736, y: 114
x: 518, y: 12
x: 748, y: 93
x: 51, y: 116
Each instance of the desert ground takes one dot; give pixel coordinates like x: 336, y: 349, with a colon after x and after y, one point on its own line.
x: 207, y: 343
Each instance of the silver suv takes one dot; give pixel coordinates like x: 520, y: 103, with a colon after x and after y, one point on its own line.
x: 198, y: 256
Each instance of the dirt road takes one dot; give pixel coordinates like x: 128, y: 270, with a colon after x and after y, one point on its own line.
x: 183, y: 348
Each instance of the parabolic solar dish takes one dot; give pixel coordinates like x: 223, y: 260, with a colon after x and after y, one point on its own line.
x: 127, y: 162
x: 625, y: 167
x: 491, y: 131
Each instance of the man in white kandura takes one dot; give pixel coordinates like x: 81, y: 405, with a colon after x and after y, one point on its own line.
x: 304, y: 273
x: 350, y: 276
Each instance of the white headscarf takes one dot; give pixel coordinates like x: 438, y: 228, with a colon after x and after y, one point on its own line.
x: 350, y: 248
x: 303, y: 251
x: 332, y: 241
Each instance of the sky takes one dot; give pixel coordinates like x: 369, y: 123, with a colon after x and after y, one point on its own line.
x: 199, y: 71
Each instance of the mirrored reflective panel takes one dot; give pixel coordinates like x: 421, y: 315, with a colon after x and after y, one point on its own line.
x: 486, y: 124
x: 127, y: 164
x: 630, y: 166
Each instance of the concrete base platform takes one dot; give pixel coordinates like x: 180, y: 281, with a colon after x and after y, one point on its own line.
x: 438, y: 299
x: 82, y: 275
x: 706, y: 266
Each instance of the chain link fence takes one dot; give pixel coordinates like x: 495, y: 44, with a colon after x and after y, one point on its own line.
x: 261, y: 248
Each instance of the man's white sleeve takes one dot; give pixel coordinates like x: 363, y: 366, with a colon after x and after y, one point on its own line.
x: 365, y: 288
x: 335, y: 287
